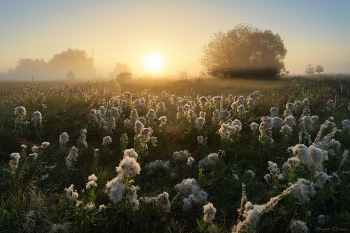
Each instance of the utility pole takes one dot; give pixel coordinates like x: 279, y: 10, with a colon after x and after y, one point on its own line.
x: 93, y: 75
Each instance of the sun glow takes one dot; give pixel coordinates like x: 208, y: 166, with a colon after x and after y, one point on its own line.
x: 153, y: 62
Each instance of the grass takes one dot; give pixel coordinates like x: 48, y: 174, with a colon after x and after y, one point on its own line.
x: 65, y: 107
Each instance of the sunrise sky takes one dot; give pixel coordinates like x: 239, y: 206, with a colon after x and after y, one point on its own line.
x: 314, y: 31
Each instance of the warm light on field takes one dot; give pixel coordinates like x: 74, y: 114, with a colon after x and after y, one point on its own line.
x: 153, y: 62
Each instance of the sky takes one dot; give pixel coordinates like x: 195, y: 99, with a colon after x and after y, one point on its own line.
x: 313, y: 31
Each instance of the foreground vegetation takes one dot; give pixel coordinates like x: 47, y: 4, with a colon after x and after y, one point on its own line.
x: 189, y: 170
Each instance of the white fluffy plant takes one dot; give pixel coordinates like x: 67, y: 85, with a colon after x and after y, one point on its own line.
x: 193, y: 194
x: 116, y: 187
x: 72, y: 156
x: 252, y: 213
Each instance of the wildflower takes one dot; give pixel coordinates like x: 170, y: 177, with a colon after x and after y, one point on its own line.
x: 202, y: 114
x: 268, y: 122
x: 189, y: 187
x: 124, y: 140
x: 151, y: 115
x: 190, y: 161
x: 200, y: 139
x: 157, y: 164
x: 225, y: 115
x: 335, y: 143
x: 303, y: 190
x: 106, y: 141
x: 302, y: 153
x: 213, y: 158
x: 316, y: 155
x: 192, y: 117
x: 314, y: 119
x: 102, y: 207
x: 209, y: 212
x: 64, y: 138
x: 13, y: 163
x: 129, y: 165
x: 286, y: 130
x: 92, y: 182
x: 92, y: 117
x: 234, y: 106
x: 78, y: 203
x: 290, y: 106
x: 181, y: 155
x: 254, y: 126
x: 132, y: 197
x: 37, y: 118
x: 134, y: 115
x: 277, y: 122
x: 251, y: 173
x: 116, y: 189
x: 72, y: 156
x: 289, y: 120
x: 216, y: 115
x: 45, y: 144
x: 306, y: 122
x: 82, y: 138
x: 200, y: 122
x: 103, y: 124
x: 161, y: 202
x: 35, y: 149
x: 298, y: 105
x: 90, y: 206
x: 163, y: 121
x: 70, y: 193
x: 346, y: 124
x: 227, y: 130
x: 131, y: 153
x: 111, y: 124
x: 34, y: 155
x: 321, y: 178
x: 298, y: 226
x: 154, y: 141
x: 20, y: 111
x: 274, y: 112
x: 267, y: 177
x: 138, y: 127
x: 252, y: 213
x: 114, y: 112
x: 241, y: 109
x: 160, y: 107
x: 274, y: 171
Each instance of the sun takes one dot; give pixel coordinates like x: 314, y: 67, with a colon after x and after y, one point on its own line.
x: 153, y: 62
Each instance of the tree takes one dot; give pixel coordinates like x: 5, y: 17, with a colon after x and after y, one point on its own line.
x: 70, y: 75
x: 309, y: 70
x: 124, y: 76
x: 319, y: 69
x: 119, y: 68
x: 244, y: 51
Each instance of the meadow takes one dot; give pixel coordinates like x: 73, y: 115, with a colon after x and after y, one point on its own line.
x: 194, y: 155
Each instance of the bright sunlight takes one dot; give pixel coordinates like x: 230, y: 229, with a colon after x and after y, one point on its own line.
x: 153, y: 62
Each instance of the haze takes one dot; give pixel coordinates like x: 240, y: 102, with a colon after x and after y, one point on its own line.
x: 315, y: 32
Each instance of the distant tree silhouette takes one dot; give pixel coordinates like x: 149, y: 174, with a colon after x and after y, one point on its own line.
x: 319, y: 69
x: 309, y: 70
x: 70, y: 75
x: 120, y: 68
x: 73, y: 59
x: 56, y: 67
x: 244, y: 51
x: 124, y: 76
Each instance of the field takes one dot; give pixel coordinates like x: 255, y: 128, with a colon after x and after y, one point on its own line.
x: 196, y: 155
